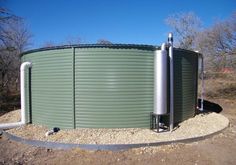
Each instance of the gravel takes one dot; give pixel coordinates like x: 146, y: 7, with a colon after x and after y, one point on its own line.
x: 202, y: 124
x: 12, y: 116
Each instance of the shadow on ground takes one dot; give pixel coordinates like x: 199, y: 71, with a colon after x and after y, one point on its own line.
x: 209, y: 106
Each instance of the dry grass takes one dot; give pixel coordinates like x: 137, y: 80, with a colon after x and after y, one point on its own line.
x: 220, y: 85
x: 13, y: 116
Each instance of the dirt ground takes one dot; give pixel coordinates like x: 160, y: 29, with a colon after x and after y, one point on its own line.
x: 218, y: 150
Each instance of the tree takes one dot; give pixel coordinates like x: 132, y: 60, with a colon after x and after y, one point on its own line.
x: 70, y: 40
x: 185, y: 26
x: 14, y: 39
x: 73, y: 40
x: 103, y: 41
x: 218, y: 44
x: 48, y: 44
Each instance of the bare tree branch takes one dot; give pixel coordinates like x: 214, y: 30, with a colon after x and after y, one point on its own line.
x: 186, y: 26
x: 218, y: 43
x: 14, y: 39
x: 103, y: 41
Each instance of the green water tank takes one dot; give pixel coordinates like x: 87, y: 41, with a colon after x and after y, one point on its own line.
x: 103, y: 86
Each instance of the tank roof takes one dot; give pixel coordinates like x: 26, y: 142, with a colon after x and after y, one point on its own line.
x: 116, y: 46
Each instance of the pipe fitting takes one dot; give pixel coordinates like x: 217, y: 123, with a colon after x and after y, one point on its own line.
x: 163, y: 46
x: 170, y: 38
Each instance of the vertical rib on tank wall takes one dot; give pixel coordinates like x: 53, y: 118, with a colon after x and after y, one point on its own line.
x: 51, y: 82
x: 185, y: 91
x: 113, y: 87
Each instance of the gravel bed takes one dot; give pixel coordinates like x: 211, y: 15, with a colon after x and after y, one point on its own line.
x: 202, y: 124
x: 12, y: 116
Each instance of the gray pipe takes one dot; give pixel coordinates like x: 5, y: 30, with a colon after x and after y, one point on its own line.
x: 170, y: 42
x: 202, y: 83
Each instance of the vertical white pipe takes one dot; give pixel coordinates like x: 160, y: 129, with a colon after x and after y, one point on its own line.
x: 203, y: 87
x: 170, y: 41
x: 160, y: 81
x: 22, y: 87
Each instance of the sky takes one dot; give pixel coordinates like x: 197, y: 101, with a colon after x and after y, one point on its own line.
x: 119, y: 21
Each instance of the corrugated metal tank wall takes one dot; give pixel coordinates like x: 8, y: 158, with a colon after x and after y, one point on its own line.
x: 113, y: 87
x: 51, y: 88
x: 103, y: 87
x: 185, y: 84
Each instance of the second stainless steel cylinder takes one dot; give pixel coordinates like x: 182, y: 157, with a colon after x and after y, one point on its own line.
x: 160, y: 81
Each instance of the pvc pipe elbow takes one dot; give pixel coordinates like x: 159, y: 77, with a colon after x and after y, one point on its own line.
x: 163, y: 46
x: 23, y: 65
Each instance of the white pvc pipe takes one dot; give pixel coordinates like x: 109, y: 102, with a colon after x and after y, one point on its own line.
x: 5, y: 126
x: 203, y: 87
x: 170, y: 41
x: 22, y: 87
